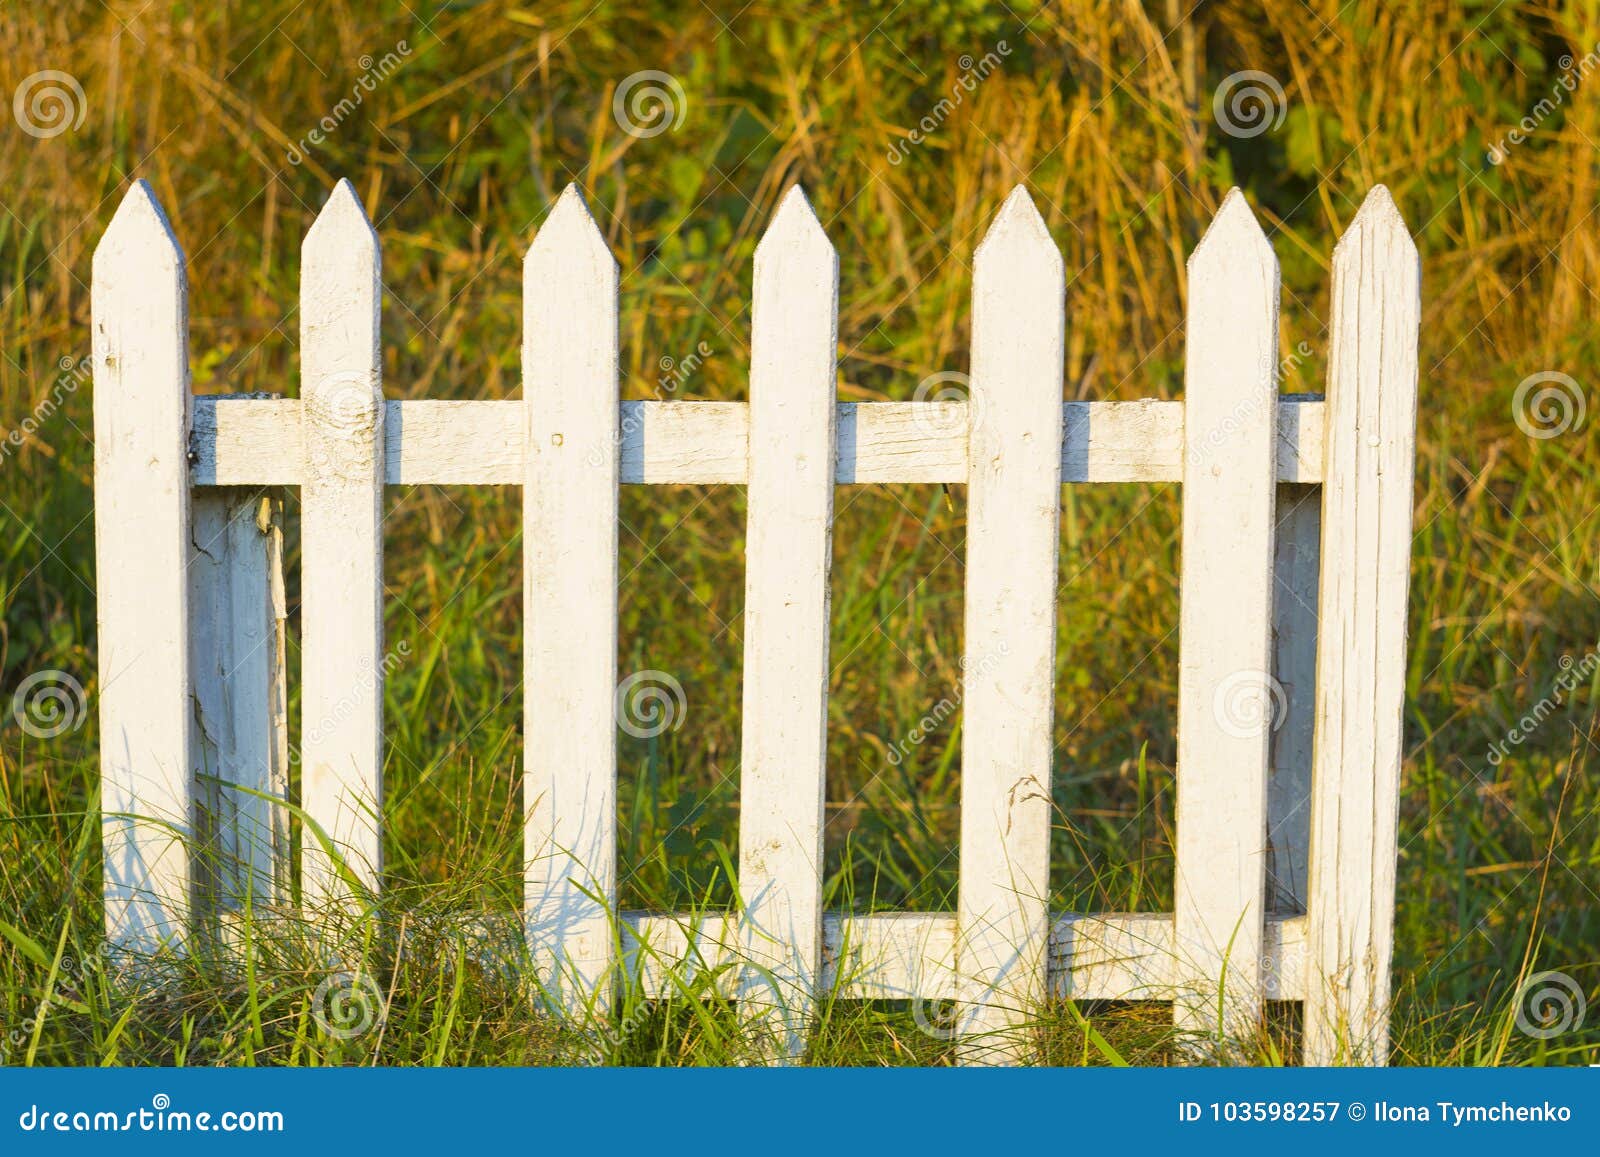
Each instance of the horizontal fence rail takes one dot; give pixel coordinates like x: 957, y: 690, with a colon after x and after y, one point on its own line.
x: 1296, y: 535
x: 243, y: 440
x: 911, y: 956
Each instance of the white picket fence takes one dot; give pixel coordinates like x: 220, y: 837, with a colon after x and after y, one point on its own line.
x: 1296, y: 537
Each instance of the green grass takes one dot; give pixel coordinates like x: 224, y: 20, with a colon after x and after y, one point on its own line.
x: 1104, y: 108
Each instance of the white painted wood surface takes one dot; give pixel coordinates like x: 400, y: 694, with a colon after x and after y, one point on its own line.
x: 1361, y: 654
x: 192, y: 683
x: 141, y: 491
x: 241, y: 740
x: 1225, y: 693
x: 910, y: 955
x: 891, y: 956
x: 788, y: 546
x: 1013, y: 509
x: 257, y: 442
x: 569, y: 539
x: 341, y: 534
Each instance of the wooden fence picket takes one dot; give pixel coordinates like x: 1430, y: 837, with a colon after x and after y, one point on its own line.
x: 1295, y: 548
x: 341, y: 531
x: 1361, y: 649
x: 788, y: 548
x: 569, y: 544
x: 1015, y: 423
x: 142, y: 533
x: 1226, y: 694
x: 241, y: 740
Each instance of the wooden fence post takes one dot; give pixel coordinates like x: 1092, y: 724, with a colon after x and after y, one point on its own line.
x: 1013, y: 516
x: 1294, y: 666
x: 341, y: 532
x: 1361, y: 647
x: 788, y: 548
x: 236, y: 647
x: 141, y: 491
x: 569, y: 540
x: 1226, y: 694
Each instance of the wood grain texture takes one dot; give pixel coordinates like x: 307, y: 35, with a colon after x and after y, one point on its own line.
x: 142, y: 524
x: 241, y: 740
x: 912, y: 955
x: 256, y: 441
x: 1013, y: 508
x: 341, y: 533
x: 1226, y: 698
x: 569, y: 518
x: 893, y: 956
x: 788, y: 548
x: 1361, y: 651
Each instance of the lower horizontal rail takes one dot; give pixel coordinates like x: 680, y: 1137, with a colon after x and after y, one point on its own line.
x: 258, y: 440
x: 911, y: 955
x: 897, y: 955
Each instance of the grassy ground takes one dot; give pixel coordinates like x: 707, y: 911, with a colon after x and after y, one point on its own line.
x: 1105, y: 109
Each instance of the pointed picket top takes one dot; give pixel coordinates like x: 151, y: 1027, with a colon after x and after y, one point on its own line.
x: 795, y: 229
x: 341, y: 293
x: 568, y: 239
x: 1378, y: 217
x: 139, y: 235
x: 1017, y: 235
x: 796, y: 276
x: 1234, y: 270
x: 1232, y: 231
x: 342, y: 228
